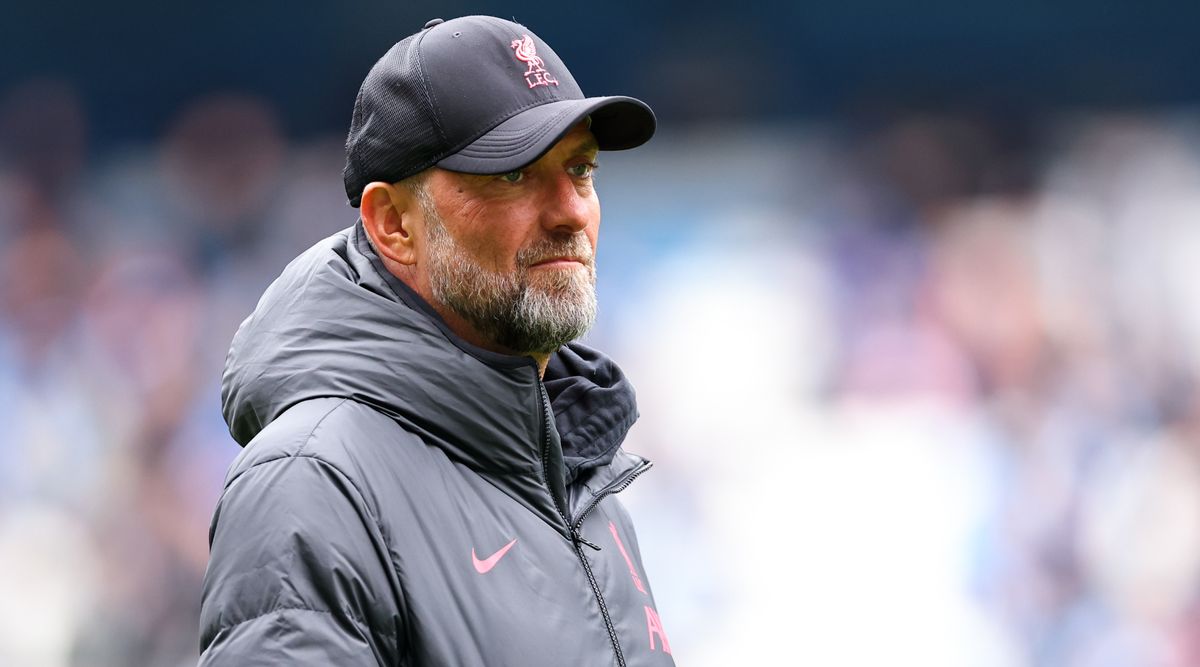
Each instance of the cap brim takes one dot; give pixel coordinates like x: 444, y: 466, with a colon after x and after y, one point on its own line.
x: 617, y: 122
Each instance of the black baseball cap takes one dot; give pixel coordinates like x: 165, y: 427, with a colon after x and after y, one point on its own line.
x: 478, y: 95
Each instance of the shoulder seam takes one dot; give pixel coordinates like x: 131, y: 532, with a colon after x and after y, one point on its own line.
x: 277, y: 610
x: 301, y: 454
x: 304, y: 443
x: 358, y: 621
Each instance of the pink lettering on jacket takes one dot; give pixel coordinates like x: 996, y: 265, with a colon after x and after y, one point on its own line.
x: 654, y: 627
x: 637, y: 581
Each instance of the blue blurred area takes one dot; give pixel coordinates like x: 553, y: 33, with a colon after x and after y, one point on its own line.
x: 908, y: 297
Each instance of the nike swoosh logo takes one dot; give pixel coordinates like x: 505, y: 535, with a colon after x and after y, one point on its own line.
x: 484, y: 566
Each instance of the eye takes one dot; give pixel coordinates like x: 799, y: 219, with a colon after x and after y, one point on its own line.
x: 582, y: 170
x: 512, y: 176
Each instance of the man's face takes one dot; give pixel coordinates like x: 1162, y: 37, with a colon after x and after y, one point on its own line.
x: 513, y: 254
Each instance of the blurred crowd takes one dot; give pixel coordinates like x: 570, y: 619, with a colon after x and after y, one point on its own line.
x: 921, y: 388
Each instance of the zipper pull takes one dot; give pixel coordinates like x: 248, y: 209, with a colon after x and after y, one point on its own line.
x: 580, y: 539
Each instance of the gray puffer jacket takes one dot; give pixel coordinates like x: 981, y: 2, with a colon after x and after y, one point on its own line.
x: 405, y: 498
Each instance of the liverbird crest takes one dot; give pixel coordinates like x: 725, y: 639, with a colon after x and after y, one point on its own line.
x: 536, y: 74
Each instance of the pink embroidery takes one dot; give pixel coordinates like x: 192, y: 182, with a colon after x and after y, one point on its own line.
x: 637, y: 581
x: 654, y: 627
x: 526, y: 52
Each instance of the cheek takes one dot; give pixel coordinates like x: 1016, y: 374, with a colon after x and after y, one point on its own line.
x: 482, y: 232
x: 593, y: 228
x: 468, y: 210
x: 494, y: 248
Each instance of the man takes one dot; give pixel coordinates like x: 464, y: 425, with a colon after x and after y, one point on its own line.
x: 431, y: 465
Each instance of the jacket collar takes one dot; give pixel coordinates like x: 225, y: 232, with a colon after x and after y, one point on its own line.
x: 337, y: 323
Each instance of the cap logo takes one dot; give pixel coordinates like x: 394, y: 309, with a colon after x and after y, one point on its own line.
x: 526, y: 52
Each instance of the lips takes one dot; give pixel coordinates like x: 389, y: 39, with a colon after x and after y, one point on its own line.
x: 556, y: 253
x: 561, y: 261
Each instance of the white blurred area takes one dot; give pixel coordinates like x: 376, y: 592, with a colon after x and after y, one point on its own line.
x: 916, y: 394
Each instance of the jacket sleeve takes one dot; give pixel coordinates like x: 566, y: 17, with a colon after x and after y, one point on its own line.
x: 299, y: 573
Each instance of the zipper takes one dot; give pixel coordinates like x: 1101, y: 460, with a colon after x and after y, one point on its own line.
x: 545, y: 452
x: 612, y: 488
x: 577, y: 540
x: 615, y: 486
x: 587, y: 569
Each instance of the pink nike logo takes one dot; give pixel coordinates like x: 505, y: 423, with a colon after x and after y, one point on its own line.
x: 484, y: 566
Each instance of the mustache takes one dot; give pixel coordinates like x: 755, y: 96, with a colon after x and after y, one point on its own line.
x: 540, y: 251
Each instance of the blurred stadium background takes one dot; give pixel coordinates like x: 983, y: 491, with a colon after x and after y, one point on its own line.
x: 909, y: 293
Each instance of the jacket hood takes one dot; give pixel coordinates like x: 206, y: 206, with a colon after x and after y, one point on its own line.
x: 337, y: 324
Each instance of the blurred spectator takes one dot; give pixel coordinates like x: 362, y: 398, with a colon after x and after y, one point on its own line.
x: 43, y: 136
x: 221, y: 161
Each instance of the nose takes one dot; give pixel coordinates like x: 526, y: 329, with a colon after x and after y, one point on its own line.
x: 566, y: 207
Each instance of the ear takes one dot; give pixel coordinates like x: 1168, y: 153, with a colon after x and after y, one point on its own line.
x: 390, y: 215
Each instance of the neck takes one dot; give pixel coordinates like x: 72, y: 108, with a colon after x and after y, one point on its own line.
x: 461, y: 327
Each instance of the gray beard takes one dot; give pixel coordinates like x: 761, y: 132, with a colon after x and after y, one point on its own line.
x: 519, y: 314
